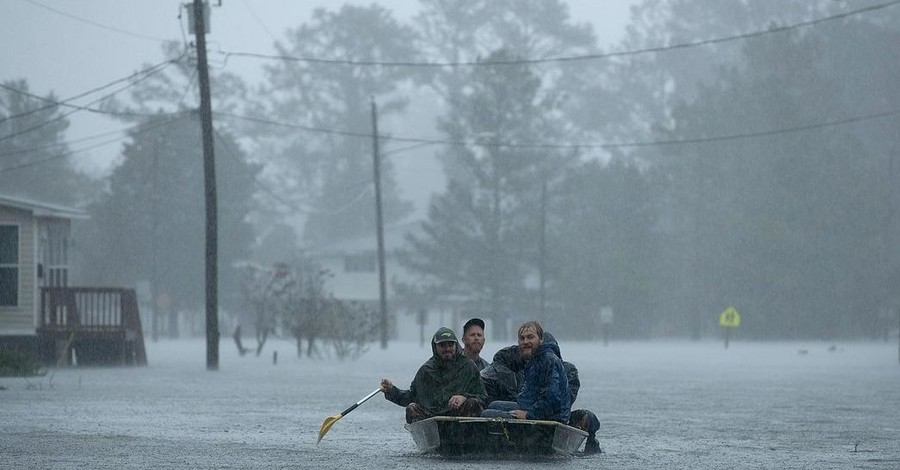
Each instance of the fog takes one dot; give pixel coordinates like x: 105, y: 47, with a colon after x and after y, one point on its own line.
x: 697, y: 197
x: 660, y: 162
x: 661, y: 404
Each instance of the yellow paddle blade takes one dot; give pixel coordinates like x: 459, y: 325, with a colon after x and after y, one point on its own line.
x: 329, y: 422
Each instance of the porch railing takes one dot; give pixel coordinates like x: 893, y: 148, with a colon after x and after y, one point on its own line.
x: 81, y: 311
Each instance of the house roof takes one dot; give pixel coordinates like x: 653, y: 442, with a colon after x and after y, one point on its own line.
x: 394, y: 238
x: 42, y: 209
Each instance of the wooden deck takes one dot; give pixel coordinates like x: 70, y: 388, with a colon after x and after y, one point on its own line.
x: 90, y: 326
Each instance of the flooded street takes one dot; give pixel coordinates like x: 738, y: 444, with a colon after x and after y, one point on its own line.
x: 661, y: 404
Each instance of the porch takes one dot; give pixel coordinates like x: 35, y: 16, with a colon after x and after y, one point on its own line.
x: 90, y: 326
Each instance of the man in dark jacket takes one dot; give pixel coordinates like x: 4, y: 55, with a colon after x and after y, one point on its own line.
x: 503, y: 379
x: 447, y: 384
x: 585, y: 420
x: 473, y: 341
x: 545, y: 391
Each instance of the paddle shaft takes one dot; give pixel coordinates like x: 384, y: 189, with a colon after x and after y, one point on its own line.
x: 329, y: 421
x: 353, y: 407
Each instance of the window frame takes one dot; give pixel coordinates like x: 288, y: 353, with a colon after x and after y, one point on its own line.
x: 364, y: 262
x: 13, y: 266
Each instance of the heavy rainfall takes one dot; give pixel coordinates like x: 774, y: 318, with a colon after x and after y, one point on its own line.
x: 237, y: 233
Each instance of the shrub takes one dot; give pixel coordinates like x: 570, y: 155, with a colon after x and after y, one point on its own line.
x: 17, y: 363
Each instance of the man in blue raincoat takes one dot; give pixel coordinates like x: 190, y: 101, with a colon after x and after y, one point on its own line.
x: 545, y: 389
x: 503, y: 379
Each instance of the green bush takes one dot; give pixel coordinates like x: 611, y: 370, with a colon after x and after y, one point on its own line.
x: 17, y: 363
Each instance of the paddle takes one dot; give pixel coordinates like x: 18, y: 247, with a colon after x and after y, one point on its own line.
x: 329, y: 421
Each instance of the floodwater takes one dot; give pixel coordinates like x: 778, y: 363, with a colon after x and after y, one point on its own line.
x: 665, y: 405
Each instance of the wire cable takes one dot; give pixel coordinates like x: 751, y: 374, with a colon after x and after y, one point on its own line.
x: 148, y: 127
x: 573, y: 58
x: 588, y: 145
x: 77, y: 108
x: 233, y: 153
x: 66, y: 102
x: 94, y: 23
x: 50, y: 147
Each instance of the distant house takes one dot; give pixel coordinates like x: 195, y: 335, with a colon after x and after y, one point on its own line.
x: 354, y: 266
x: 39, y: 311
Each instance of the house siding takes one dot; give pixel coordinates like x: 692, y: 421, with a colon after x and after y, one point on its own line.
x: 21, y: 319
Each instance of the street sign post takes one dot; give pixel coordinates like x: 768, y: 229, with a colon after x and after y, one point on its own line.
x: 729, y: 319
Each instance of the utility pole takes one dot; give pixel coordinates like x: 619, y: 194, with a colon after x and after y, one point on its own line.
x: 209, y: 182
x: 543, y: 248
x: 379, y: 224
x: 154, y: 244
x: 890, y: 231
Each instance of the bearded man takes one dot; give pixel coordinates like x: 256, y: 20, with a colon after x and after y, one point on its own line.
x: 503, y: 379
x: 473, y: 342
x: 447, y: 384
x: 545, y: 391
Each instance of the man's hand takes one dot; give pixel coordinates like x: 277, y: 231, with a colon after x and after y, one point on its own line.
x: 456, y: 401
x: 520, y: 414
x: 385, y: 385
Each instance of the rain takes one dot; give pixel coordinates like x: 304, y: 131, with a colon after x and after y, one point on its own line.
x: 222, y: 222
x: 662, y: 404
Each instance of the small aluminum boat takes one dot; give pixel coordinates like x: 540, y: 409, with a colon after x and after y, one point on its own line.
x: 448, y: 435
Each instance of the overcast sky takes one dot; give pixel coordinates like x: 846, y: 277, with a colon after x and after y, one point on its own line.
x: 68, y: 47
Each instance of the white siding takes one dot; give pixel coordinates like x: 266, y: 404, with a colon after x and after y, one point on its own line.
x: 22, y: 318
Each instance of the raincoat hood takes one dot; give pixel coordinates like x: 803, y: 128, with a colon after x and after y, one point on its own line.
x: 444, y: 334
x: 545, y: 391
x: 553, y: 345
x: 437, y: 380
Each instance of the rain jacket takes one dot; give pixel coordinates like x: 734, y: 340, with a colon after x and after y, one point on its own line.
x: 545, y: 390
x: 503, y: 377
x: 571, y: 370
x: 480, y: 363
x: 435, y: 382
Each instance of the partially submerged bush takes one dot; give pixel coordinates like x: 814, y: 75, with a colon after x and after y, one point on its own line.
x: 16, y: 363
x: 350, y: 329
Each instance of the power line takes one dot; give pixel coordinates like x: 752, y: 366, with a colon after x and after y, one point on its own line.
x: 258, y: 20
x: 94, y: 23
x: 767, y: 133
x: 65, y: 103
x: 418, y: 142
x: 96, y: 136
x: 407, y: 148
x: 80, y: 108
x: 425, y: 142
x: 573, y: 58
x: 63, y: 144
x: 144, y: 128
x: 233, y: 153
x: 588, y: 145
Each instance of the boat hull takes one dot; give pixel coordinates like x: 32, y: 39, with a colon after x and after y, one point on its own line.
x: 457, y: 436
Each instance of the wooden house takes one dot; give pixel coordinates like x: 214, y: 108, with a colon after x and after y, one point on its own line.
x: 40, y: 312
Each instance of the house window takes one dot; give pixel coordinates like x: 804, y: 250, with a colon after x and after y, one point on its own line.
x: 360, y: 263
x: 54, y: 255
x: 9, y: 265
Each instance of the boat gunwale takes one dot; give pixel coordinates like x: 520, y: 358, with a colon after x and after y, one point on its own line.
x: 419, y: 429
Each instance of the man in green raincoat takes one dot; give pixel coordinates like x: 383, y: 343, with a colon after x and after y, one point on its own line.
x: 447, y: 384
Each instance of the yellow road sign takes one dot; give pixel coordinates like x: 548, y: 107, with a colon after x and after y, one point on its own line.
x: 730, y: 318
